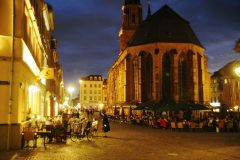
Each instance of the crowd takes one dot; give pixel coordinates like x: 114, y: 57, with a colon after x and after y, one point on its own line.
x: 206, y: 121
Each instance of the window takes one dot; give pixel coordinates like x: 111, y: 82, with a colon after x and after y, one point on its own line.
x: 99, y: 92
x: 85, y: 92
x: 95, y: 78
x: 90, y: 85
x: 90, y: 98
x: 133, y: 18
x: 91, y: 78
x: 225, y: 81
x: 84, y: 98
x: 95, y: 92
x: 95, y: 98
x: 95, y: 85
x: 90, y: 91
x: 99, y: 98
x: 99, y: 86
x: 99, y: 78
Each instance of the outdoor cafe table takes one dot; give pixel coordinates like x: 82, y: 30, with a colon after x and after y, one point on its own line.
x: 44, y: 134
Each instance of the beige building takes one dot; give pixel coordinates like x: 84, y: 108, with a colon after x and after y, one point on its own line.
x: 25, y: 47
x: 226, y: 87
x: 91, y: 92
x: 160, y: 60
x: 104, y: 92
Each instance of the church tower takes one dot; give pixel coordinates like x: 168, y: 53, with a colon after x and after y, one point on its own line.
x: 131, y: 18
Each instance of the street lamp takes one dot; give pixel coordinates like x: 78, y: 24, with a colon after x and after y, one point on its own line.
x: 71, y: 90
x: 237, y: 71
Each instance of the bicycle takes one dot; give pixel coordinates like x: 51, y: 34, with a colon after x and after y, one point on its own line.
x: 78, y: 134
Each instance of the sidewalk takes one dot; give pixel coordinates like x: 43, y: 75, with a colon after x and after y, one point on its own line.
x: 17, y: 154
x: 22, y: 153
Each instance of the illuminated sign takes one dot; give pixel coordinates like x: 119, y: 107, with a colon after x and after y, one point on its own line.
x: 215, y: 104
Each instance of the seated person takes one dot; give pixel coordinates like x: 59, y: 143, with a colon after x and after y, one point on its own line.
x: 95, y: 124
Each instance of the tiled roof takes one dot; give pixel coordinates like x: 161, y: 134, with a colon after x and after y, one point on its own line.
x: 132, y: 2
x: 164, y: 26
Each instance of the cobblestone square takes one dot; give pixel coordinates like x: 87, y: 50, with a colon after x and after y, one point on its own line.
x: 134, y: 142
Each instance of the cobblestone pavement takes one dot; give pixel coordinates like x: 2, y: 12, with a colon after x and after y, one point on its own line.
x: 133, y: 142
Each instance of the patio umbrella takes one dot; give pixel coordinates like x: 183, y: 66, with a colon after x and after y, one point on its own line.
x: 139, y: 108
x: 198, y: 107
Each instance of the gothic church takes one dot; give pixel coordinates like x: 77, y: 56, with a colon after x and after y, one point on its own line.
x: 160, y: 60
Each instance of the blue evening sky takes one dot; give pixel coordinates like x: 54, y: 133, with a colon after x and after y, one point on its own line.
x: 87, y: 32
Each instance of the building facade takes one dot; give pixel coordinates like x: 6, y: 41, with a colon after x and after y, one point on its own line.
x: 160, y: 60
x: 25, y: 38
x: 226, y: 87
x: 91, y: 92
x: 104, y: 93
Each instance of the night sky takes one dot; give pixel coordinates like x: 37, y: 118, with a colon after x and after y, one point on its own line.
x: 87, y: 32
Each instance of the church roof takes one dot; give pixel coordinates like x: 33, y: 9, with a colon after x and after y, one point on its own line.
x: 164, y: 26
x: 132, y: 2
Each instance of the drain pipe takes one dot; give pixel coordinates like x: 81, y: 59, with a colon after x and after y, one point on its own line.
x: 11, y: 79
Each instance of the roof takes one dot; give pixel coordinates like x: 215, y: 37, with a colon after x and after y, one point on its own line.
x: 132, y: 2
x: 164, y: 26
x: 93, y: 77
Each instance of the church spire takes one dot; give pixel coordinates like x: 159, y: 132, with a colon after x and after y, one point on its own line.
x: 149, y: 8
x: 131, y: 18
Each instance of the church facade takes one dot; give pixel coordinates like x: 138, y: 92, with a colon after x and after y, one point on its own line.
x: 160, y: 60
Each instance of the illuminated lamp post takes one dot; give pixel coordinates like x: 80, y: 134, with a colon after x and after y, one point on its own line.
x: 71, y: 90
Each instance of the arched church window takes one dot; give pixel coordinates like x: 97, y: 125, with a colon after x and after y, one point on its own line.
x: 166, y: 77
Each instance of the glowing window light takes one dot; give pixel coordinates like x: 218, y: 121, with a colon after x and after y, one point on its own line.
x: 216, y: 110
x: 45, y: 16
x: 33, y: 88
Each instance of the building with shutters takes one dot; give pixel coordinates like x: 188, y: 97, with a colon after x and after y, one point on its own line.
x: 91, y: 92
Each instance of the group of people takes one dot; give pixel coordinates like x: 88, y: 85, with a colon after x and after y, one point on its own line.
x: 87, y: 120
x: 61, y: 125
x: 209, y: 121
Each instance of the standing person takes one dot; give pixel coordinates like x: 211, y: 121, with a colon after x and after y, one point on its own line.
x: 106, y: 126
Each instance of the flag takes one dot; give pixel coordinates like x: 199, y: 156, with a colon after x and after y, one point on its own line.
x: 47, y: 73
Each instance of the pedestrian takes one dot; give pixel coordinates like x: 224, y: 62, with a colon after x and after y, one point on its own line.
x: 106, y: 126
